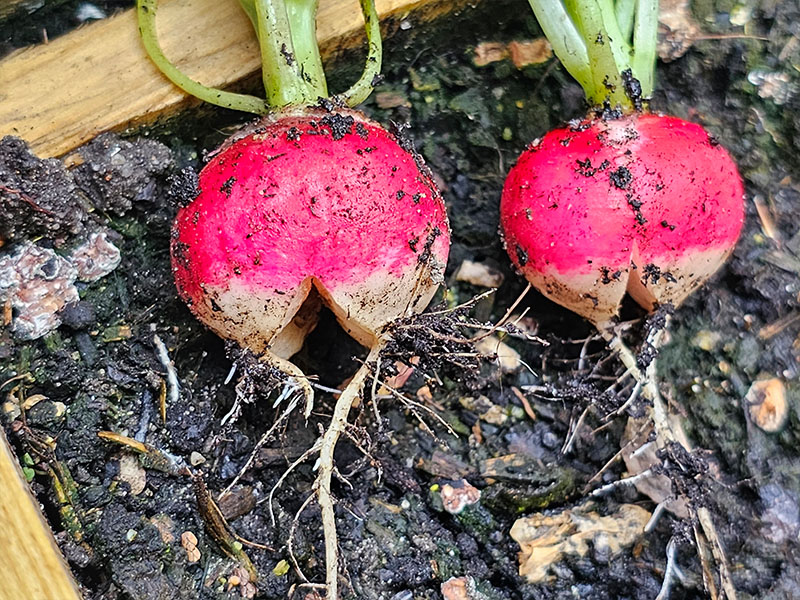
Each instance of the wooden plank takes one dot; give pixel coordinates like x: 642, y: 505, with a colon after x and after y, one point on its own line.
x: 98, y: 77
x: 31, y: 565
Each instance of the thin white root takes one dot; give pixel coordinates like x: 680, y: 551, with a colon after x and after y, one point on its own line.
x: 264, y: 439
x: 296, y: 376
x: 667, y: 433
x: 672, y: 550
x: 338, y: 424
x: 172, y: 375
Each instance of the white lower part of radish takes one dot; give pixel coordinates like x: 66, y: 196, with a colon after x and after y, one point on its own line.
x: 279, y: 323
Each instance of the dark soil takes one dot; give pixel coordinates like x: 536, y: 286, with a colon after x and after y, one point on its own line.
x: 100, y: 370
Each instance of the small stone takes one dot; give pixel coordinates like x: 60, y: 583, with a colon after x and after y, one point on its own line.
x: 479, y: 274
x: 766, y: 404
x: 459, y: 495
x: 131, y: 535
x: 95, y: 258
x: 195, y: 458
x: 189, y: 543
x: 37, y: 283
x: 706, y: 340
x: 458, y: 588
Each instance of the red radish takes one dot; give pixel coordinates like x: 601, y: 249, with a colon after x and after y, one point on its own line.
x: 624, y: 201
x: 647, y: 204
x: 311, y: 205
x: 365, y: 228
x: 627, y: 200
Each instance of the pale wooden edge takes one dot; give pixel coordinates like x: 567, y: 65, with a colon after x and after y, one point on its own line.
x: 31, y: 565
x: 98, y: 77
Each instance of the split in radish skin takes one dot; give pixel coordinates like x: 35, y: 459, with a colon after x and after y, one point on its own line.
x: 625, y: 201
x: 312, y: 205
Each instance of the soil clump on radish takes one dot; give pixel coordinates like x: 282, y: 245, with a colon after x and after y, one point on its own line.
x: 397, y: 541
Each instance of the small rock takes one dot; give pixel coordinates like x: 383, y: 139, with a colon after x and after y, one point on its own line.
x: 766, y: 404
x: 132, y: 473
x: 95, y: 258
x: 457, y: 496
x: 776, y: 86
x: 479, y: 274
x: 38, y: 283
x: 458, y: 588
x: 189, y: 543
x: 195, y: 458
x: 706, y: 340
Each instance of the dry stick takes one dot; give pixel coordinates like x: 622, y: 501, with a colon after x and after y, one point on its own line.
x: 666, y: 434
x: 338, y: 423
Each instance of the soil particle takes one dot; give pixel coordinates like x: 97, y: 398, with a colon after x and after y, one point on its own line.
x: 339, y: 125
x: 116, y: 173
x: 183, y: 187
x: 621, y: 177
x: 38, y: 198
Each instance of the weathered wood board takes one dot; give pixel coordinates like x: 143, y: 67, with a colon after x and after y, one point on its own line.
x: 59, y: 95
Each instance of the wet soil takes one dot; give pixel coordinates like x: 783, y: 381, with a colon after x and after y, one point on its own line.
x: 120, y: 521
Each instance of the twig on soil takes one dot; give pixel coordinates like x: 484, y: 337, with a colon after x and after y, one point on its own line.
x: 505, y: 317
x: 412, y: 405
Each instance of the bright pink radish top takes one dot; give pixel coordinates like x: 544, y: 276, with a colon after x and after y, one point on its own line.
x: 580, y: 200
x: 322, y: 196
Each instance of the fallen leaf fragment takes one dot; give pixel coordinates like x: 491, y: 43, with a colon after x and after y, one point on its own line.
x: 508, y: 359
x: 132, y: 473
x: 487, y: 53
x: 530, y: 52
x: 639, y: 455
x: 545, y: 539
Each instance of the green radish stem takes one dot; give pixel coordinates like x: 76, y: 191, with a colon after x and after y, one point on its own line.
x: 602, y: 43
x: 291, y: 64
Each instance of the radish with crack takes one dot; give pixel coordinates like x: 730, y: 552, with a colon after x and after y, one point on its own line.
x: 623, y: 201
x: 314, y: 204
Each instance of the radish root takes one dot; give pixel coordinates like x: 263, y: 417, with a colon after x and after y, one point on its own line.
x: 349, y: 396
x: 668, y: 432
